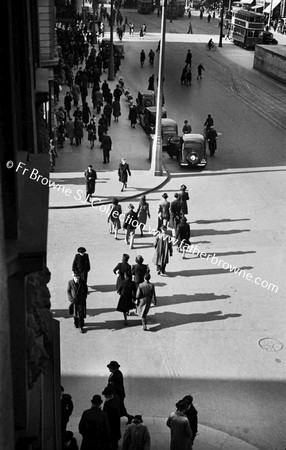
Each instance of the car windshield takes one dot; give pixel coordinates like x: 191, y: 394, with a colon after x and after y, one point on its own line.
x: 194, y: 146
x: 169, y: 129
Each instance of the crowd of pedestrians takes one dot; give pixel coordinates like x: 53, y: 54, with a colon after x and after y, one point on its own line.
x: 186, y: 75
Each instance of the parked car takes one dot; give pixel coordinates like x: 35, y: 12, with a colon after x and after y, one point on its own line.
x: 144, y: 100
x: 268, y: 38
x: 148, y: 119
x: 169, y: 129
x: 118, y: 48
x: 193, y: 150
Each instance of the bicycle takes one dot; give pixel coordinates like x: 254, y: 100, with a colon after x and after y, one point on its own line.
x: 212, y: 48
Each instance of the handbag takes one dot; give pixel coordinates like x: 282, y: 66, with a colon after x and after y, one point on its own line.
x: 71, y: 309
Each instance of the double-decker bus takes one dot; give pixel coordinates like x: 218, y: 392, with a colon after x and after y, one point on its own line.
x: 247, y: 28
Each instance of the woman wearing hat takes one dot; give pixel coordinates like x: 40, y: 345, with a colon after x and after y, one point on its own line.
x: 136, y: 436
x: 139, y: 270
x: 121, y: 270
x: 181, y: 433
x: 94, y: 427
x: 116, y: 381
x: 81, y: 264
x: 114, y: 217
x: 184, y: 197
x: 142, y: 213
x: 163, y: 212
x: 127, y: 292
x: 130, y: 224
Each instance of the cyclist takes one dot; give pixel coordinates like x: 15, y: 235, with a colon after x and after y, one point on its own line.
x: 151, y: 56
x: 210, y: 44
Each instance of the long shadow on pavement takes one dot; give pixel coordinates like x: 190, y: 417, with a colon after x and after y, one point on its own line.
x: 197, y: 273
x: 177, y: 299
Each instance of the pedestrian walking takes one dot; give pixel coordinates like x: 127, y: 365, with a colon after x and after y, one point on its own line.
x: 121, y: 269
x: 70, y: 130
x: 192, y: 415
x: 183, y: 234
x: 94, y: 427
x: 200, y: 71
x: 175, y: 213
x: 116, y: 381
x: 66, y: 408
x: 116, y: 110
x: 130, y: 223
x: 181, y: 433
x: 127, y: 292
x: 61, y: 133
x: 144, y: 29
x: 184, y: 197
x: 139, y: 270
x: 151, y: 83
x: 106, y: 145
x: 188, y: 59
x: 112, y: 409
x: 136, y: 435
x: 123, y: 172
x: 91, y: 132
x: 208, y: 123
x: 117, y: 93
x: 53, y: 155
x: 97, y: 99
x: 81, y: 264
x: 158, y: 47
x: 190, y: 30
x: 77, y: 293
x: 183, y: 75
x: 107, y: 111
x: 114, y: 217
x: 209, y: 17
x: 151, y: 56
x: 85, y: 114
x: 69, y: 441
x: 145, y: 296
x: 91, y: 177
x: 67, y: 102
x: 75, y: 92
x: 102, y: 127
x: 142, y: 58
x: 188, y: 79
x: 211, y: 138
x: 141, y: 34
x: 143, y: 213
x: 78, y: 131
x: 163, y: 249
x: 163, y: 212
x: 133, y: 116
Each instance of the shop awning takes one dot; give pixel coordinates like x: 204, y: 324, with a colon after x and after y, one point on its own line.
x: 274, y: 4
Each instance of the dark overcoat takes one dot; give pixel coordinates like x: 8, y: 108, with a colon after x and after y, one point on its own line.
x: 139, y: 270
x: 112, y: 409
x: 127, y: 291
x: 95, y: 430
x: 81, y: 265
x: 123, y: 172
x: 163, y: 248
x: 77, y: 293
x: 175, y: 213
x: 121, y: 268
x: 90, y: 181
x: 184, y: 197
x: 116, y: 381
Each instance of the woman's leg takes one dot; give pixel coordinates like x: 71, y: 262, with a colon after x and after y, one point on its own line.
x: 132, y: 235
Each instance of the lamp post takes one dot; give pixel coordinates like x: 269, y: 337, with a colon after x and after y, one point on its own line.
x: 221, y: 24
x: 270, y: 13
x: 156, y: 162
x: 111, y: 52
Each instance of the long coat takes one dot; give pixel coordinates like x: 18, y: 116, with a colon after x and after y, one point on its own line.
x: 175, y: 213
x: 184, y: 197
x: 91, y: 177
x: 116, y: 381
x: 81, y: 265
x: 127, y: 291
x: 145, y: 296
x: 133, y: 115
x: 163, y: 248
x: 123, y: 172
x: 70, y: 129
x: 181, y: 434
x: 116, y: 108
x: 78, y: 129
x: 139, y: 270
x: 77, y: 293
x: 136, y: 437
x: 112, y: 408
x: 95, y: 430
x: 143, y: 212
x: 183, y: 232
x: 122, y: 268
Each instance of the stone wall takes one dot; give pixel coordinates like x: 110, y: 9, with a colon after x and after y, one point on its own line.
x: 271, y: 60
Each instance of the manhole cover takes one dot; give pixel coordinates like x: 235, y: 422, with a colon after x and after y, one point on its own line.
x: 270, y: 345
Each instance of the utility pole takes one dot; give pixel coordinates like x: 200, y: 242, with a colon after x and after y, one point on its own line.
x: 221, y: 24
x: 156, y: 162
x: 94, y: 9
x: 111, y: 52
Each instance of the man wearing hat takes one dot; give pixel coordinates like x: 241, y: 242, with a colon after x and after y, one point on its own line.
x: 123, y: 172
x: 139, y: 270
x: 136, y: 435
x: 77, y: 293
x: 81, y: 264
x: 94, y: 427
x: 163, y: 248
x: 183, y: 234
x: 181, y: 433
x: 130, y: 224
x: 115, y: 380
x: 112, y: 408
x: 91, y: 177
x: 163, y: 212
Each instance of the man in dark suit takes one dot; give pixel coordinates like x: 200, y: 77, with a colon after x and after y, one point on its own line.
x: 81, y: 264
x: 90, y: 176
x: 112, y: 408
x: 175, y: 213
x: 106, y: 145
x: 77, y: 293
x: 192, y: 415
x: 115, y: 380
x: 94, y: 427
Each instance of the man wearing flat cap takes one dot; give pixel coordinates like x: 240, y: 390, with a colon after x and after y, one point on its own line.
x: 81, y: 264
x: 116, y: 381
x: 94, y: 427
x: 163, y: 212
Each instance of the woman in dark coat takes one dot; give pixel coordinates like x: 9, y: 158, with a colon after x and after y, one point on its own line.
x: 123, y: 172
x: 184, y: 197
x: 114, y: 217
x: 116, y: 110
x: 121, y: 270
x: 78, y: 131
x: 81, y: 264
x: 85, y: 113
x: 91, y: 177
x: 142, y: 213
x: 130, y: 224
x: 139, y: 270
x: 116, y: 381
x: 91, y: 130
x: 133, y: 115
x: 127, y: 292
x: 211, y: 137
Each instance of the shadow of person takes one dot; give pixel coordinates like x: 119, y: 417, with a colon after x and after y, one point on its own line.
x: 200, y: 272
x: 89, y: 313
x: 170, y: 319
x: 183, y: 298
